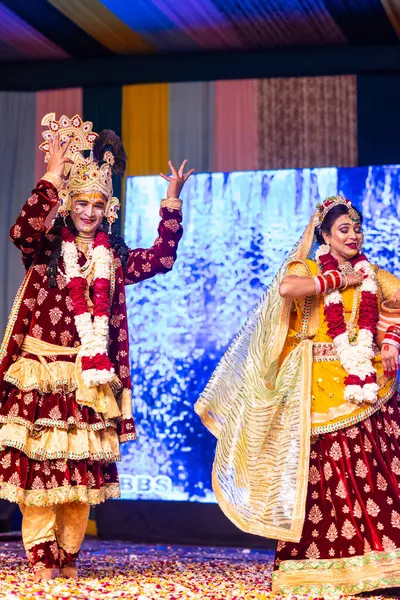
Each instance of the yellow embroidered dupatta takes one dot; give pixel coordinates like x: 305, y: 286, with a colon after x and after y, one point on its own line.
x: 260, y: 412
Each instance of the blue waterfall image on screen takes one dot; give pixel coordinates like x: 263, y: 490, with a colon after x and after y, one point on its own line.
x: 238, y: 228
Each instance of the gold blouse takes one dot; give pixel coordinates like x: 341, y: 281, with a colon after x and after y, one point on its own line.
x: 330, y: 411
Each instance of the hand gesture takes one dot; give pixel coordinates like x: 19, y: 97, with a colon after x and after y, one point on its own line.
x: 390, y: 360
x: 177, y: 179
x: 58, y: 158
x: 354, y: 279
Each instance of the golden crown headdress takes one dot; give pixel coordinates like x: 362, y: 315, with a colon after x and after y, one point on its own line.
x: 329, y: 203
x: 91, y: 174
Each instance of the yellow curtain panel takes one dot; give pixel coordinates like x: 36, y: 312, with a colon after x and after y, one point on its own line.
x: 145, y: 128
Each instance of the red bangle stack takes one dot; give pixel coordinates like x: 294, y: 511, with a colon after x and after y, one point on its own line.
x: 392, y: 336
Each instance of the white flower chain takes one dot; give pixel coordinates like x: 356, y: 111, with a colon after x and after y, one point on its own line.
x: 93, y: 332
x: 356, y: 359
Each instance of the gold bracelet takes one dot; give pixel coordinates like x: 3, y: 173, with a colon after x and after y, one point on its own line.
x: 174, y: 203
x: 56, y: 180
x: 346, y: 282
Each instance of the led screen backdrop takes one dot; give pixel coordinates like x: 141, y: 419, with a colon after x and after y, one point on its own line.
x: 238, y: 228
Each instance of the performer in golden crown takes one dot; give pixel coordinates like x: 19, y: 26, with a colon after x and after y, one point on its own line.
x: 66, y: 401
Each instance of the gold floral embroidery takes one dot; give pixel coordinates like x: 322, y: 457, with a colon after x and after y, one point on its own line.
x: 361, y: 469
x: 348, y: 531
x: 367, y: 444
x: 32, y: 200
x: 395, y: 519
x: 65, y: 338
x: 332, y: 533
x: 90, y: 480
x: 124, y: 371
x: 327, y: 471
x: 312, y: 551
x: 55, y: 414
x: 315, y: 515
x: 341, y: 490
x: 313, y: 475
x: 30, y: 303
x: 36, y: 223
x: 167, y: 261
x: 37, y: 331
x: 18, y: 338
x: 115, y: 320
x: 55, y: 315
x: 122, y: 335
x: 14, y: 411
x: 335, y: 451
x: 372, y: 508
x: 388, y: 544
x: 396, y: 465
x: 42, y: 295
x: 381, y: 483
x: 172, y: 224
x: 6, y: 461
x: 357, y: 512
x: 14, y: 479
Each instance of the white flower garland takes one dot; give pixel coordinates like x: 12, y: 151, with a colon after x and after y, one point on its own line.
x: 356, y: 359
x: 93, y: 332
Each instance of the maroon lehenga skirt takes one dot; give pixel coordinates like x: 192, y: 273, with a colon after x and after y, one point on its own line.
x: 54, y: 450
x: 351, y: 536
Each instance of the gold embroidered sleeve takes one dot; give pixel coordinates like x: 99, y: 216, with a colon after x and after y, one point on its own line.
x: 299, y: 269
x: 388, y: 283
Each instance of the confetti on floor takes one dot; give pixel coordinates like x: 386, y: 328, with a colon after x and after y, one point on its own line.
x: 111, y: 570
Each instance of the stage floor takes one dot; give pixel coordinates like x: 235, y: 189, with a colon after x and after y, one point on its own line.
x: 136, y: 572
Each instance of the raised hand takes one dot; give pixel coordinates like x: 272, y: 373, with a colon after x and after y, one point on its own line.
x: 177, y: 179
x: 354, y: 279
x: 58, y: 158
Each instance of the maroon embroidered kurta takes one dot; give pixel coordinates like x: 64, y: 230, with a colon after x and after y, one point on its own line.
x: 52, y: 447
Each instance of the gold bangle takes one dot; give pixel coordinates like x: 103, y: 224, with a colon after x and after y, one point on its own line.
x: 54, y: 179
x: 346, y: 280
x: 173, y: 203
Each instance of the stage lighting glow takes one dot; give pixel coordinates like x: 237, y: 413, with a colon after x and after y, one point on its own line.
x: 238, y: 228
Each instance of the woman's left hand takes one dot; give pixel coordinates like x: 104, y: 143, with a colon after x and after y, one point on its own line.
x: 390, y: 360
x: 177, y: 180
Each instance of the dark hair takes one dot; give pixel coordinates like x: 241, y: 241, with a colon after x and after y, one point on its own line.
x: 331, y: 217
x: 117, y: 243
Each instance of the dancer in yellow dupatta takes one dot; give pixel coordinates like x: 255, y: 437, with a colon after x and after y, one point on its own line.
x: 307, y: 418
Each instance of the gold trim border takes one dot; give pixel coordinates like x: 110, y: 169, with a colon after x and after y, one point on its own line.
x: 372, y: 409
x: 59, y: 495
x: 349, y: 576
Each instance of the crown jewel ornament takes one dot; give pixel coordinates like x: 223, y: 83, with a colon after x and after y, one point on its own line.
x: 91, y: 174
x: 329, y: 203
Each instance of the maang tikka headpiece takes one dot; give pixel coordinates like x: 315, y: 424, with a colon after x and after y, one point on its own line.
x: 92, y: 174
x: 329, y: 203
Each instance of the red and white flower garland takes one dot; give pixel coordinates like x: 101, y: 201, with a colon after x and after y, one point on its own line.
x: 356, y: 359
x: 93, y: 331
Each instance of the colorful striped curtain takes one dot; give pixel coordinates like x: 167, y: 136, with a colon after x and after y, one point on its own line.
x: 307, y: 122
x: 191, y: 124
x: 236, y: 147
x: 63, y: 102
x: 145, y: 128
